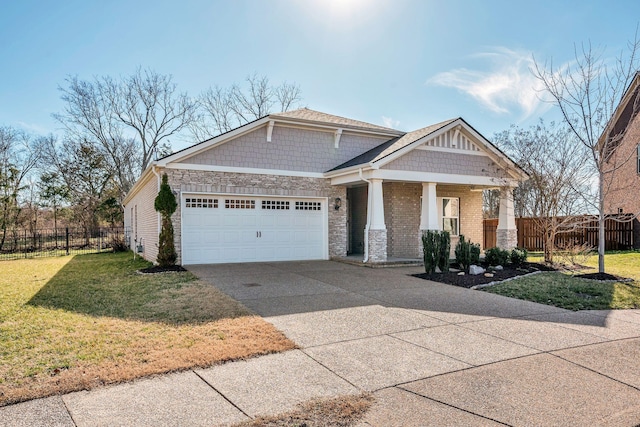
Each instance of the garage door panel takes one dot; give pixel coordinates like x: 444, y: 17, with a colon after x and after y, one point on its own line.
x: 252, y: 229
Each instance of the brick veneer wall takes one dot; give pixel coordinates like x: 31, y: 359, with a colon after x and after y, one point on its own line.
x: 625, y: 181
x: 185, y: 181
x: 402, y: 216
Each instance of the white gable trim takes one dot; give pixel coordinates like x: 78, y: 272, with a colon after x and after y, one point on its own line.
x: 452, y: 150
x: 494, y: 154
x: 233, y: 169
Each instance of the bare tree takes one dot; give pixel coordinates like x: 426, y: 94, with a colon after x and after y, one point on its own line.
x: 587, y: 93
x: 86, y: 176
x: 557, y: 177
x: 225, y: 109
x: 129, y: 118
x: 19, y: 155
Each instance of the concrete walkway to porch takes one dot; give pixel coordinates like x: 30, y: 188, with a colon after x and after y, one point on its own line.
x: 431, y: 354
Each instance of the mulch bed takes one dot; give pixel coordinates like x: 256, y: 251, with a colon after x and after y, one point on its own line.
x: 158, y: 269
x: 468, y: 280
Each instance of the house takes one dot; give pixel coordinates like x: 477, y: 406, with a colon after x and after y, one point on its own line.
x: 622, y: 138
x: 303, y: 185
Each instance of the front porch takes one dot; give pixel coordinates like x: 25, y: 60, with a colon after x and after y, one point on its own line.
x: 386, y: 219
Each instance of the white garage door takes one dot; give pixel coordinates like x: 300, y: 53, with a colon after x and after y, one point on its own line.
x: 223, y: 228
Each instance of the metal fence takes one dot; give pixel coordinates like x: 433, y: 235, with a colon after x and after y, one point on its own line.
x: 15, y: 244
x: 619, y: 232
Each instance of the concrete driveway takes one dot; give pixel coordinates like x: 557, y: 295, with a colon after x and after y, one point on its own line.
x: 431, y: 354
x: 435, y: 354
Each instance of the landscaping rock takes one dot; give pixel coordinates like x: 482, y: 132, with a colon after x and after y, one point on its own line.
x: 461, y: 273
x: 475, y: 270
x: 488, y: 274
x: 498, y: 268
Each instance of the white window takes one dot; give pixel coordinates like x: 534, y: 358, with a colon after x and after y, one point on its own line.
x: 450, y: 215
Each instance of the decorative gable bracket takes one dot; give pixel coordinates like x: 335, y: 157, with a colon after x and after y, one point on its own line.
x: 336, y: 138
x: 270, y: 130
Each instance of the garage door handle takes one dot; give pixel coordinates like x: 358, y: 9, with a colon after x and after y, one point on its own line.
x: 258, y: 233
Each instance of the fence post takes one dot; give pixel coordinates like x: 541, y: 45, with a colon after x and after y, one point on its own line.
x: 67, y: 239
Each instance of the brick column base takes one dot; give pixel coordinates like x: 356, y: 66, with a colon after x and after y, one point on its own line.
x: 377, y: 245
x: 506, y: 239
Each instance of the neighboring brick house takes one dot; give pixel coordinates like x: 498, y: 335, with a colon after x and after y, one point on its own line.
x: 622, y: 184
x: 307, y: 185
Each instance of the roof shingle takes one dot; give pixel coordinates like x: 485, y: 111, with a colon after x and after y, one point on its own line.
x: 320, y: 117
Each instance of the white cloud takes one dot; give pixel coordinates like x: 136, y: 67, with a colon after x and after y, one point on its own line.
x: 505, y: 85
x: 390, y: 123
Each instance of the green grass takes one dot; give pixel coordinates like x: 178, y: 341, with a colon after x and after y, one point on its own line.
x: 75, y: 322
x: 565, y: 291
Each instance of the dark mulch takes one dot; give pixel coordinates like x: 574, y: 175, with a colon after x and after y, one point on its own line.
x: 158, y: 269
x: 468, y: 280
x: 600, y: 276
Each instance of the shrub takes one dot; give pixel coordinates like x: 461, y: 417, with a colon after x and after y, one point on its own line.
x: 436, y: 246
x: 445, y: 251
x: 467, y: 253
x: 518, y: 256
x: 474, y: 253
x: 166, y: 204
x: 118, y: 244
x: 496, y: 256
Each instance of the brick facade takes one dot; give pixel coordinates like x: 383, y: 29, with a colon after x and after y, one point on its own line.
x: 624, y: 183
x: 402, y: 216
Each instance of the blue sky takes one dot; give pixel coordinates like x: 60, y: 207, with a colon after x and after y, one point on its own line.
x: 402, y: 63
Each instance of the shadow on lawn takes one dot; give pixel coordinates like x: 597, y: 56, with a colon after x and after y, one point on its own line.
x: 109, y: 285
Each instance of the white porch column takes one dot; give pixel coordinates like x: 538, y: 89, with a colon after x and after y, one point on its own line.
x: 429, y: 213
x: 506, y: 233
x: 376, y: 229
x: 377, y: 205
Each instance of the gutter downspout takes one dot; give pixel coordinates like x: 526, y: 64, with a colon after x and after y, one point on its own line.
x: 366, y: 229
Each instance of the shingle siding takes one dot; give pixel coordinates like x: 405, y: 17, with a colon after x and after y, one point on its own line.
x: 291, y: 149
x: 444, y: 162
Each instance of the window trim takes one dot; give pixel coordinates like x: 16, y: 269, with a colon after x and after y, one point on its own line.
x: 442, y: 217
x: 638, y: 159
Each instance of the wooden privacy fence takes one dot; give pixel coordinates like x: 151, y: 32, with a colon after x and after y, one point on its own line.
x: 619, y: 232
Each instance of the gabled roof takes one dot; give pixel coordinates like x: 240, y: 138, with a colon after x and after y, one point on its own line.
x: 312, y: 116
x: 396, y: 147
x: 392, y: 146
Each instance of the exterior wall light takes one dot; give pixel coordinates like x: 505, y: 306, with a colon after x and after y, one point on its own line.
x: 338, y: 203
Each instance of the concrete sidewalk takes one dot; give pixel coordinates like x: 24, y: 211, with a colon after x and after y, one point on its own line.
x: 431, y: 354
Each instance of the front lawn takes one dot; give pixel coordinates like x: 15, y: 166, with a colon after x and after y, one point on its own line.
x: 565, y: 291
x: 72, y: 323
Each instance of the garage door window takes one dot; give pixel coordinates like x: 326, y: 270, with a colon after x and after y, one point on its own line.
x: 308, y: 206
x: 275, y: 204
x: 201, y: 203
x: 239, y: 204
